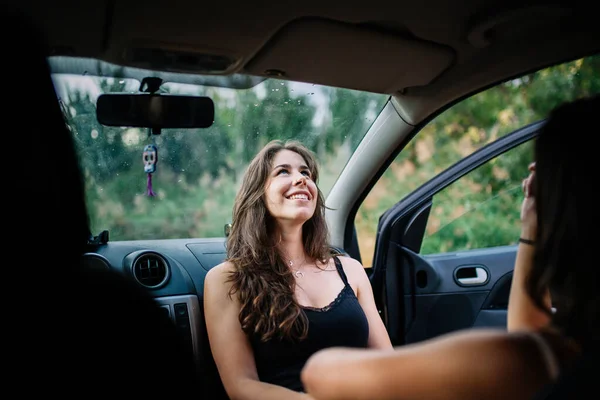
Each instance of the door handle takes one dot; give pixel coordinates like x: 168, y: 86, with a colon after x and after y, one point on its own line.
x: 471, y: 276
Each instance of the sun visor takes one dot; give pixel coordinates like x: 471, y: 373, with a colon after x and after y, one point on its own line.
x: 350, y: 56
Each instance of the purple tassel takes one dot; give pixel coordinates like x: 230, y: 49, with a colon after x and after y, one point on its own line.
x: 149, y: 190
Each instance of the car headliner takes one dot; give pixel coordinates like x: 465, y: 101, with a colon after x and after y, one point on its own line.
x: 427, y: 52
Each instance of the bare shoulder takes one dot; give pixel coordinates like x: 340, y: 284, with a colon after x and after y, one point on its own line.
x: 353, y: 269
x: 350, y: 264
x: 216, y: 279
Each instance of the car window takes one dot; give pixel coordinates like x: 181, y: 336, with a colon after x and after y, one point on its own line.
x: 461, y: 130
x: 198, y: 171
x: 464, y: 215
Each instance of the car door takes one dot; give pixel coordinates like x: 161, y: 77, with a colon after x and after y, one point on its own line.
x: 444, y: 254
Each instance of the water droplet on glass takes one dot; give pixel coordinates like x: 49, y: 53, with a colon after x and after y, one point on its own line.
x: 277, y: 90
x: 121, y: 82
x: 281, y: 83
x: 85, y: 73
x: 228, y: 124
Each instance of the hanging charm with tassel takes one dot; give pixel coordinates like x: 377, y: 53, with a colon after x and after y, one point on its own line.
x: 150, y: 157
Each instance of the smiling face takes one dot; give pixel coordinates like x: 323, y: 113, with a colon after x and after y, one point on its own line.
x: 290, y: 192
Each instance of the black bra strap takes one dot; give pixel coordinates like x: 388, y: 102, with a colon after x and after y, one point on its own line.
x: 340, y: 270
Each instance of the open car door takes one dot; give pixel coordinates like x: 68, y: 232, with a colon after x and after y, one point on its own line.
x: 444, y: 254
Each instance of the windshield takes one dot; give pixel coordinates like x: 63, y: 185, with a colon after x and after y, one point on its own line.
x: 198, y: 171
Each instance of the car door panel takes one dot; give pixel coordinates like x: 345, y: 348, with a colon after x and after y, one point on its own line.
x: 433, y: 302
x: 445, y: 304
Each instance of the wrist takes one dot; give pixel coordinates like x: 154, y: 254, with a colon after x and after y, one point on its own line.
x: 528, y: 234
x: 526, y: 241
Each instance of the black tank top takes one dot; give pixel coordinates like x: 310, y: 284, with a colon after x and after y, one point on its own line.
x: 341, y: 323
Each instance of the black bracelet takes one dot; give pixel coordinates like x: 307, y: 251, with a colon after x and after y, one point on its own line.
x: 527, y: 241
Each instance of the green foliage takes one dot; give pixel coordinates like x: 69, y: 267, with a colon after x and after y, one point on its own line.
x: 481, y: 209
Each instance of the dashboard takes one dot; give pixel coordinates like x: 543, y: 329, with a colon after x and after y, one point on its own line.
x: 173, y: 271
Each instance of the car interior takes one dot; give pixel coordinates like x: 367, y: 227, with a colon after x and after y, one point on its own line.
x: 403, y: 66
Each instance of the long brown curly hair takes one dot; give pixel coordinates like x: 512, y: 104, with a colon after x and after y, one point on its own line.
x: 261, y: 278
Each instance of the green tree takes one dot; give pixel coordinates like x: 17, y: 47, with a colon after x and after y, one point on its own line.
x: 458, y: 132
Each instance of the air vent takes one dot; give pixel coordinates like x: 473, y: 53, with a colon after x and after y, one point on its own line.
x: 150, y: 270
x: 95, y: 261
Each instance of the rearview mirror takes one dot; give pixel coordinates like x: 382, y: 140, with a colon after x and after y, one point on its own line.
x: 155, y: 111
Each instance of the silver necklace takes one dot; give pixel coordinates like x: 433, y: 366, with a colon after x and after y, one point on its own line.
x: 297, y: 272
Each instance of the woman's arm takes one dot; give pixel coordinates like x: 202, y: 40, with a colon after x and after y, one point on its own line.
x: 230, y: 346
x: 475, y: 364
x: 378, y: 335
x: 522, y: 311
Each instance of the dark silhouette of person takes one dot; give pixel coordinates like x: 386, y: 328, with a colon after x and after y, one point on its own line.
x: 71, y: 331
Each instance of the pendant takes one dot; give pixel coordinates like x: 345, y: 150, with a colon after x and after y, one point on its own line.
x: 299, y: 274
